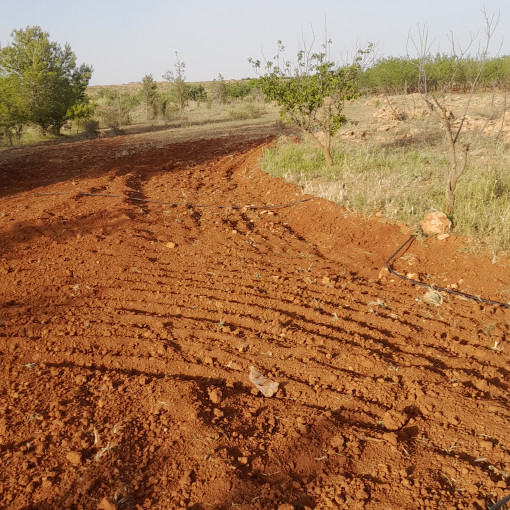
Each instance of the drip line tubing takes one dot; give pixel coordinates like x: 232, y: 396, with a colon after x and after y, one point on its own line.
x: 174, y: 204
x: 500, y: 503
x: 434, y: 287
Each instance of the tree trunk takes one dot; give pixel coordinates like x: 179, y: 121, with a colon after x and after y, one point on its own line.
x: 324, y: 147
x: 326, y: 150
x: 450, y: 199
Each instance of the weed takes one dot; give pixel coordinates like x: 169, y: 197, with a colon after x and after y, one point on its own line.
x: 488, y: 327
x: 433, y: 297
x: 378, y: 302
x: 497, y: 347
x: 452, y: 448
x: 102, y: 451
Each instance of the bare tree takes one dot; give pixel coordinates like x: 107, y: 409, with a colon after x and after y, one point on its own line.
x: 435, y: 91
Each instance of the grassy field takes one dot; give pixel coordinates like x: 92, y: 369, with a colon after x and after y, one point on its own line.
x: 397, y: 168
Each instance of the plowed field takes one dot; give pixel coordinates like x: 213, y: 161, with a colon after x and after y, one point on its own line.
x: 130, y: 314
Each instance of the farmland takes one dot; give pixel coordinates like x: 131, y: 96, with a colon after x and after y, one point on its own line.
x: 143, y: 273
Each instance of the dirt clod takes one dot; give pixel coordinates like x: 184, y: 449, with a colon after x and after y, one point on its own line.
x: 74, y: 458
x: 106, y: 504
x: 215, y: 395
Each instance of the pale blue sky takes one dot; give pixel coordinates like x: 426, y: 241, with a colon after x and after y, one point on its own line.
x: 125, y: 40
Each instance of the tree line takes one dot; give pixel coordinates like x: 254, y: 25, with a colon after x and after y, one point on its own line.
x: 42, y: 85
x: 401, y: 75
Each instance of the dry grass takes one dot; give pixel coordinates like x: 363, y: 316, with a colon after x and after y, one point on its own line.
x: 398, y: 167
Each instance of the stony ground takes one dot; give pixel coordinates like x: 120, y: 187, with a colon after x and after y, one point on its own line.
x: 128, y: 328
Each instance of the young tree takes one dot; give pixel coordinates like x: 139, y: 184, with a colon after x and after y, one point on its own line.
x: 311, y: 93
x: 219, y: 90
x: 83, y: 110
x: 47, y: 79
x: 149, y: 93
x: 179, y: 90
x: 119, y: 106
x: 437, y: 77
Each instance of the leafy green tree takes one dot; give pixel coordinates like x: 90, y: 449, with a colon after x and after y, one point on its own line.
x: 392, y: 75
x: 312, y: 92
x: 149, y: 93
x: 443, y: 71
x: 84, y: 110
x: 11, y: 115
x: 197, y: 92
x: 238, y: 89
x: 47, y: 79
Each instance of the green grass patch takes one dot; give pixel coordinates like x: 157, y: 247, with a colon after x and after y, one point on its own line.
x: 404, y: 183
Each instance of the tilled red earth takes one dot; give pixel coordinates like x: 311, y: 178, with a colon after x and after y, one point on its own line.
x: 128, y: 329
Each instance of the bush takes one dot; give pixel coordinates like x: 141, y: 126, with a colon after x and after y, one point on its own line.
x: 91, y: 127
x: 246, y: 111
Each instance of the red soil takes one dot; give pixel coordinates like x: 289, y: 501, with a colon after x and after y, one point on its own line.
x: 128, y: 328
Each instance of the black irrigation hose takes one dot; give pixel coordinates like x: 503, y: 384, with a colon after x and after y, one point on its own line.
x: 442, y: 289
x: 235, y: 207
x: 500, y: 503
x: 175, y: 204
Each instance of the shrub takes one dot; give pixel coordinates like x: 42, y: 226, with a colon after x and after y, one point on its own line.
x: 246, y: 111
x: 91, y: 127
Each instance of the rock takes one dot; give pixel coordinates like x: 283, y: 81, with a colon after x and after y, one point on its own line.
x: 170, y: 245
x: 215, y: 396
x: 337, y: 442
x: 233, y: 365
x: 74, y: 458
x: 80, y: 379
x: 482, y: 385
x: 394, y: 420
x: 436, y: 223
x: 442, y: 237
x: 106, y: 504
x: 286, y: 506
x: 383, y: 273
x: 391, y: 438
